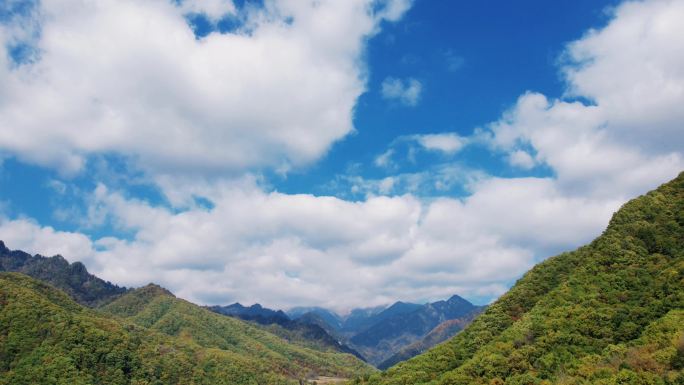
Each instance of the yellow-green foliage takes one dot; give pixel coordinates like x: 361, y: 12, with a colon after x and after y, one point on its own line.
x: 46, y: 338
x: 608, y: 313
x: 155, y: 308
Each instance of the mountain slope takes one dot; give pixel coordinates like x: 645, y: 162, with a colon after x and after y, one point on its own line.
x: 611, y: 312
x: 331, y: 318
x: 154, y: 308
x: 401, y: 327
x: 359, y: 319
x: 47, y: 338
x: 439, y: 334
x: 74, y: 279
x: 303, y: 332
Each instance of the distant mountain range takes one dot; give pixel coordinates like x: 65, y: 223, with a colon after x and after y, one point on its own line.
x: 255, y: 313
x: 382, y: 333
x: 278, y: 323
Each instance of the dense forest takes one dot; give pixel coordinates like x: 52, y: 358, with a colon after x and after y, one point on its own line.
x: 146, y: 337
x: 611, y: 312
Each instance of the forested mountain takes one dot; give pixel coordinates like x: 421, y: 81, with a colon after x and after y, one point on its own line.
x: 303, y: 331
x: 155, y: 308
x: 611, y: 312
x: 47, y: 338
x: 74, y: 279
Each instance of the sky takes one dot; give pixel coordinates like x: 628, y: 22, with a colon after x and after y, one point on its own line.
x: 339, y: 153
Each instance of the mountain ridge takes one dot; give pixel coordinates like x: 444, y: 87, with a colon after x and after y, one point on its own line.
x: 48, y: 338
x: 74, y: 278
x: 610, y: 312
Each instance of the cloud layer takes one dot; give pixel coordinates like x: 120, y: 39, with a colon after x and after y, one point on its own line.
x: 614, y: 135
x: 131, y: 78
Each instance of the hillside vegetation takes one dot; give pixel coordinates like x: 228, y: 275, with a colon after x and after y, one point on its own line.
x: 611, y: 312
x: 155, y: 308
x: 47, y: 338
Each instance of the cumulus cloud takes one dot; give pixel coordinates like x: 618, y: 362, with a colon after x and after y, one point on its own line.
x: 522, y: 159
x: 213, y: 9
x: 279, y: 249
x: 633, y: 70
x: 444, y: 143
x: 130, y: 77
x: 301, y: 249
x: 405, y: 91
x: 28, y: 235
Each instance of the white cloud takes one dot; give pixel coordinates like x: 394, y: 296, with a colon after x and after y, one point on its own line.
x: 432, y: 182
x: 129, y: 77
x: 394, y: 10
x: 522, y: 159
x: 406, y: 91
x: 213, y: 9
x: 283, y: 249
x: 29, y: 236
x: 448, y: 143
x: 385, y: 159
x: 634, y: 70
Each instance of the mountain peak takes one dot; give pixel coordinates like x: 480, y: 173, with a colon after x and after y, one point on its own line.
x: 73, y: 278
x: 458, y: 299
x: 153, y: 290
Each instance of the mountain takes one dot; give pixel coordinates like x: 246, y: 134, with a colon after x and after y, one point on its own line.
x: 439, y: 334
x: 74, y: 279
x: 358, y: 324
x: 403, y: 324
x: 361, y: 318
x: 156, y: 309
x: 379, y: 334
x: 331, y: 318
x: 256, y: 313
x: 610, y: 312
x: 47, y: 338
x: 303, y: 331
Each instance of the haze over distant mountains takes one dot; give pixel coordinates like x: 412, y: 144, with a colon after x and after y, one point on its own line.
x: 381, y: 333
x: 378, y: 334
x: 372, y: 334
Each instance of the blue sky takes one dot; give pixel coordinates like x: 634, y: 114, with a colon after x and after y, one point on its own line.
x: 473, y: 59
x: 388, y: 149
